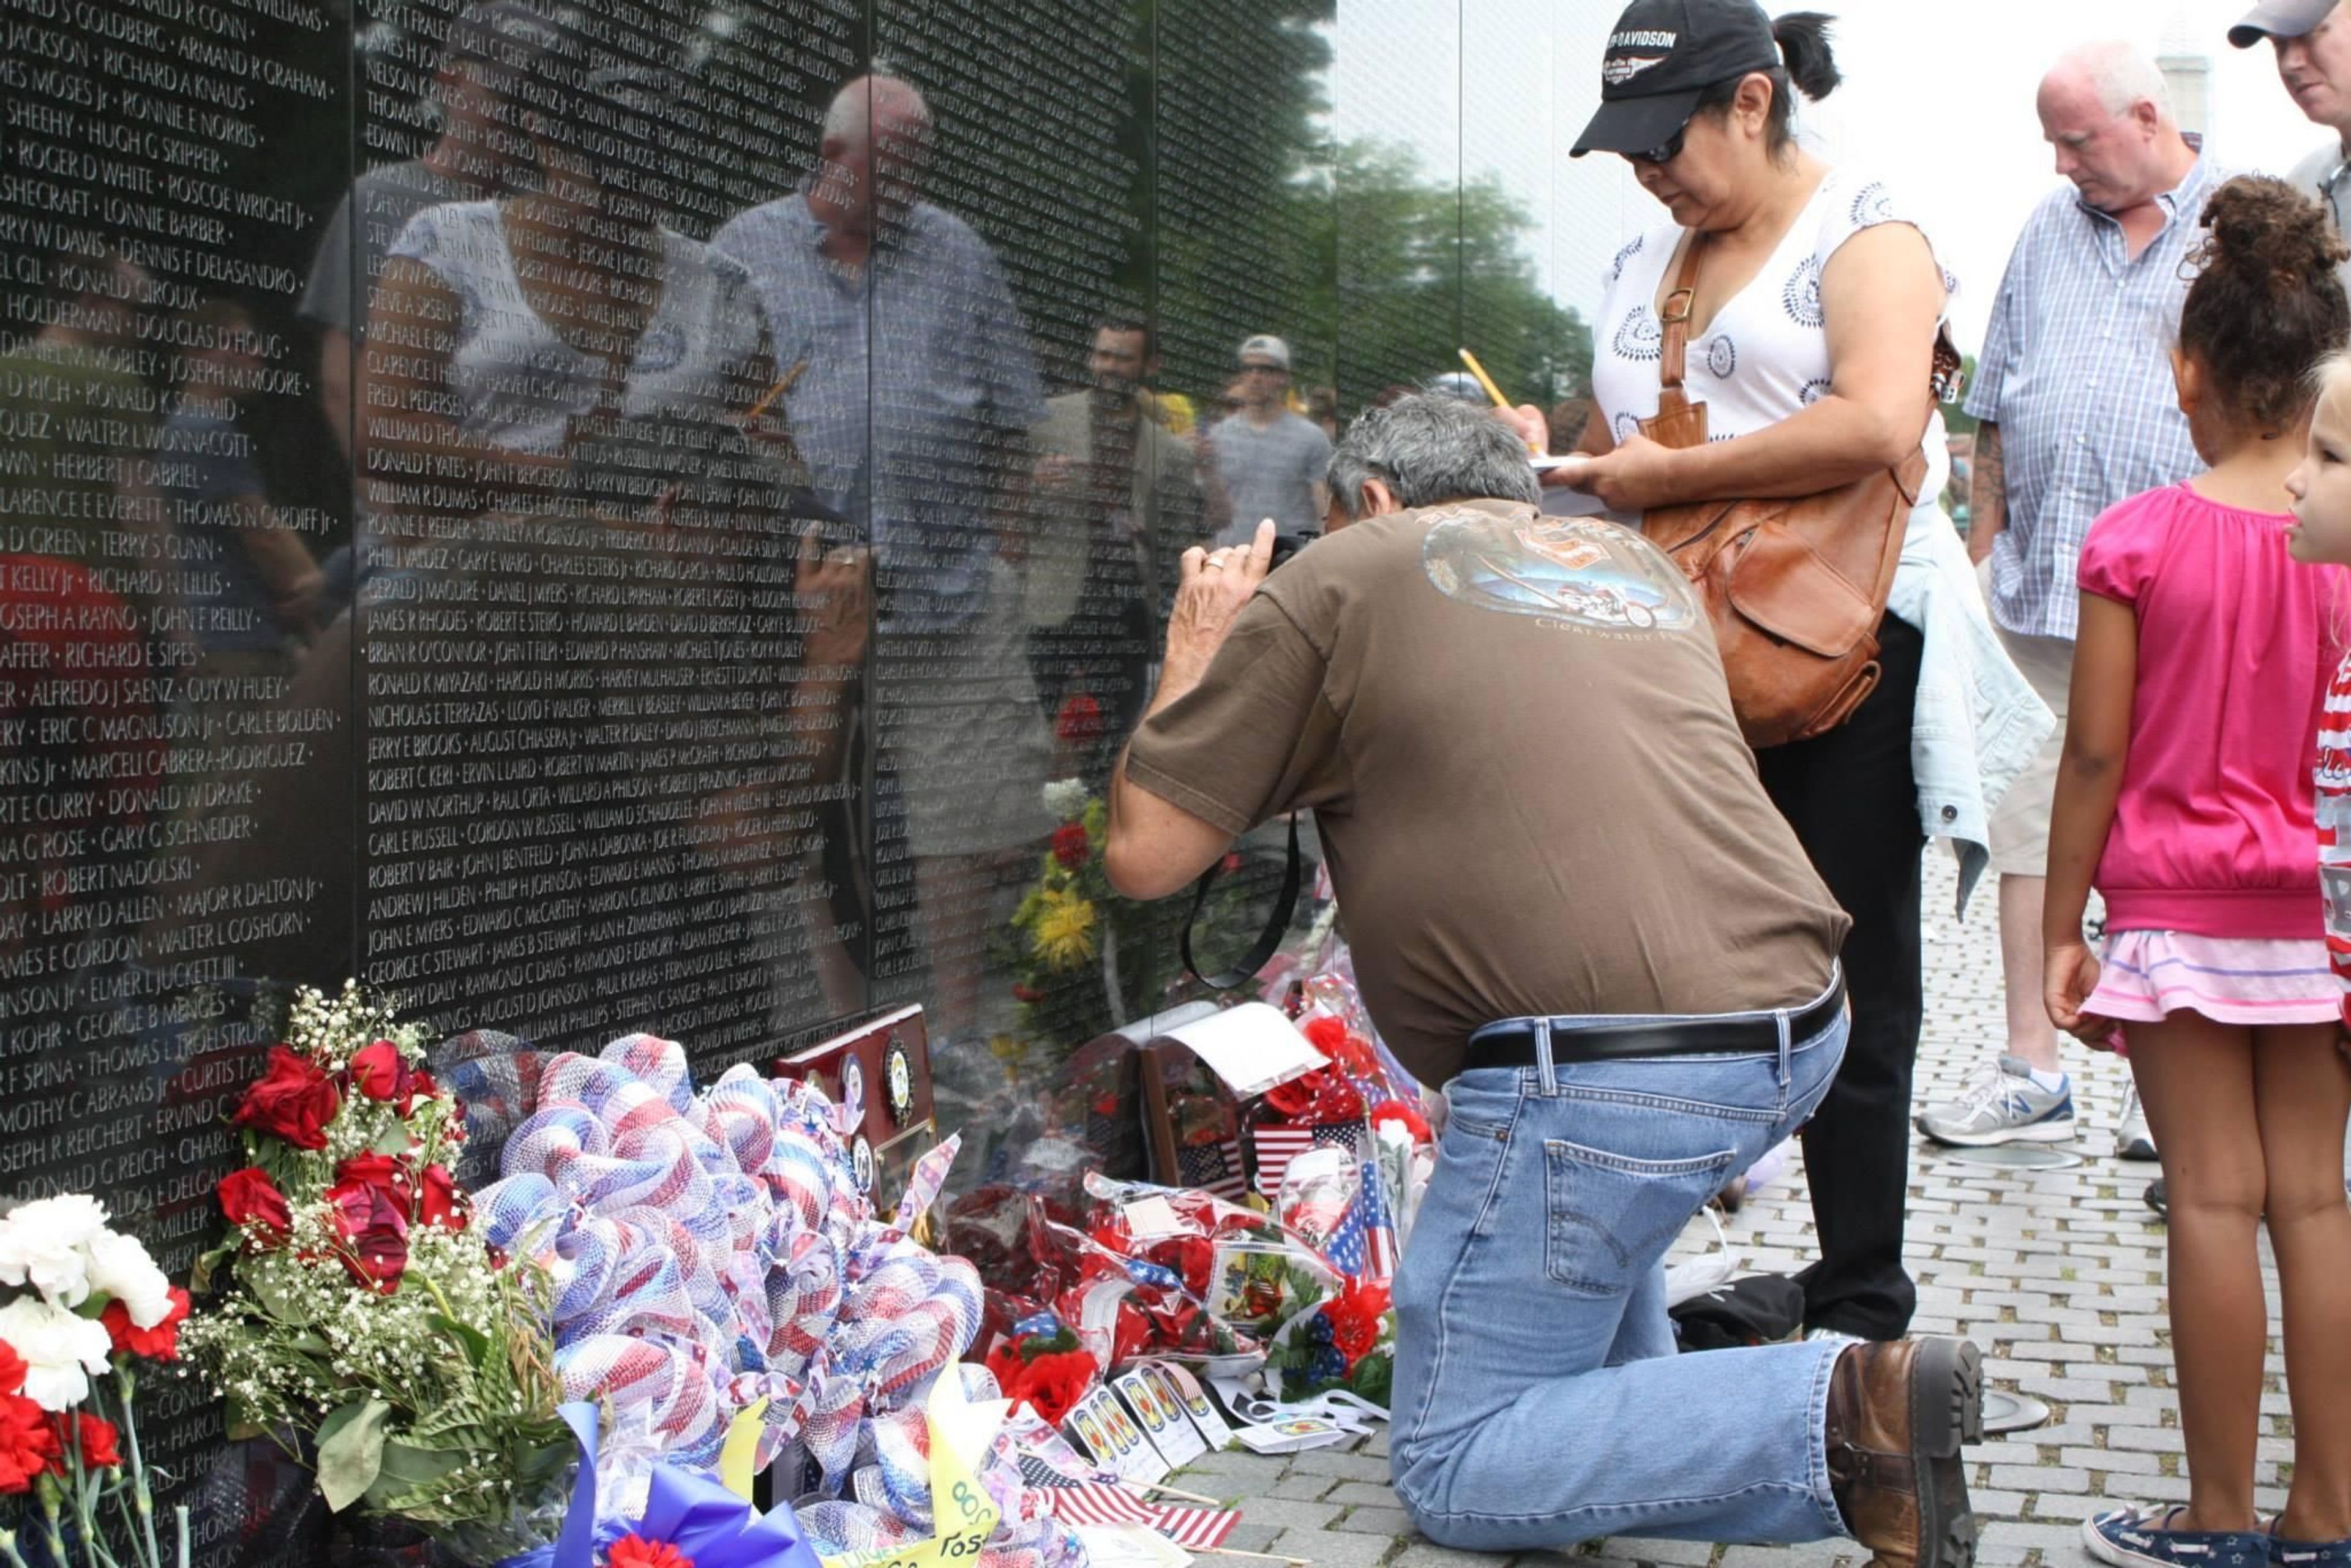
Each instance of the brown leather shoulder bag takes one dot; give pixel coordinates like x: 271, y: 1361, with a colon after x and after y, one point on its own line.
x: 1794, y: 586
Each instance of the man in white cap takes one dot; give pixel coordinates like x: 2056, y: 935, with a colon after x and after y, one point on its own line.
x: 1271, y: 461
x: 2312, y: 40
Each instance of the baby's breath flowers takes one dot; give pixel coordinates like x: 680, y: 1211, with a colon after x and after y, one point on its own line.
x: 363, y: 1320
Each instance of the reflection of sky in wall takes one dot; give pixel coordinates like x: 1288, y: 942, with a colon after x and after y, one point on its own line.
x: 1936, y: 99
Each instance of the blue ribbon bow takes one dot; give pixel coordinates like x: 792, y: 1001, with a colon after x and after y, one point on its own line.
x: 694, y: 1514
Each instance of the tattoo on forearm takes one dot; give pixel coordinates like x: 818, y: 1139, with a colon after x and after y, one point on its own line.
x: 1987, y: 486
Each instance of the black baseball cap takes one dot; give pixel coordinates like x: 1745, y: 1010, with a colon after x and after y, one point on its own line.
x: 1662, y: 57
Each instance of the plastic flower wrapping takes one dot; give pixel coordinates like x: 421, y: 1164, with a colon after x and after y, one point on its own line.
x: 713, y: 1249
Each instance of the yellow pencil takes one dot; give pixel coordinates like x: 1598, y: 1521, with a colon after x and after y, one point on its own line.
x: 1484, y: 380
x: 783, y: 384
x: 1492, y: 390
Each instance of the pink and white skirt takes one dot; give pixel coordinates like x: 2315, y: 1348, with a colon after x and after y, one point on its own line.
x: 2145, y: 975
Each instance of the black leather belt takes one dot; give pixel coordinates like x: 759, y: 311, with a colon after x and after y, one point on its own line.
x: 1510, y: 1042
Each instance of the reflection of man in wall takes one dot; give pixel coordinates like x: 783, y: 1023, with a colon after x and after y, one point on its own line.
x: 253, y: 590
x: 1271, y: 461
x: 914, y: 392
x: 1118, y: 500
x: 471, y: 157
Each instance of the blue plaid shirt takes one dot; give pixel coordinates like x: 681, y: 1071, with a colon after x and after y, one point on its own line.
x: 2076, y: 369
x: 913, y: 365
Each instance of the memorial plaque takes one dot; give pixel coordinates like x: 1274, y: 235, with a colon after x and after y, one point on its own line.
x: 608, y: 517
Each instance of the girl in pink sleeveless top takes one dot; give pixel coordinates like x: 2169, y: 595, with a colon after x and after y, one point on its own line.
x: 2185, y: 796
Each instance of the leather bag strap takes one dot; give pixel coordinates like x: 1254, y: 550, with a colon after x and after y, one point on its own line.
x: 1675, y: 362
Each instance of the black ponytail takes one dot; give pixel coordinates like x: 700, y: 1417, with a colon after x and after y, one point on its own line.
x: 1803, y: 39
x: 1810, y: 68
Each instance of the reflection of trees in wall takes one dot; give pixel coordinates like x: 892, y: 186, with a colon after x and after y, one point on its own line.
x: 1240, y: 195
x: 1430, y: 265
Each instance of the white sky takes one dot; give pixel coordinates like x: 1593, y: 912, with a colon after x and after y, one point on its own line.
x: 1937, y: 99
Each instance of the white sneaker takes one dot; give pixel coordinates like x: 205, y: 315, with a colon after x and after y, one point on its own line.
x: 2002, y: 1104
x: 2132, y: 1140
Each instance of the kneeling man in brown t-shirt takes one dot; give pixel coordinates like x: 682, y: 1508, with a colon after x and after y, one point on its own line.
x: 1573, y: 907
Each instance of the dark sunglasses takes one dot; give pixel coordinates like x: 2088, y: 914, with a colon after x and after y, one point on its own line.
x: 1667, y: 153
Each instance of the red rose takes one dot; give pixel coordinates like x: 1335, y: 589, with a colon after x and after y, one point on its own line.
x: 1070, y: 845
x: 379, y: 1072
x: 255, y: 1206
x: 636, y: 1552
x: 1324, y: 1033
x: 1081, y: 719
x: 395, y: 1178
x: 374, y: 1231
x: 28, y: 1442
x: 97, y: 1440
x: 420, y: 1086
x: 438, y: 1201
x: 294, y: 1101
x: 161, y: 1343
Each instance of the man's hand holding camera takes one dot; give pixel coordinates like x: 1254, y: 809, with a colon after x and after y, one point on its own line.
x: 1214, y: 585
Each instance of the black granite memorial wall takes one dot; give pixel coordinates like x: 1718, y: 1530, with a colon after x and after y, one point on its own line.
x: 656, y: 515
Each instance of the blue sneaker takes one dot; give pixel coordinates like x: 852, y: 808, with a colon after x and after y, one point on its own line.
x: 2135, y: 1538
x: 2310, y: 1553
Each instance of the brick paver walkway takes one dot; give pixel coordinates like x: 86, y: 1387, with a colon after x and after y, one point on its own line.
x: 2058, y: 1275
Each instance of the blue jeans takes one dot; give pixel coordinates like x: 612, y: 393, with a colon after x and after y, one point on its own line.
x: 1539, y: 1401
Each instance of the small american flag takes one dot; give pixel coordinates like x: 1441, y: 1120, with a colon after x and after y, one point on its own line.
x: 1201, y: 1528
x: 1363, y: 1246
x: 1077, y: 1501
x: 1277, y: 1145
x: 1214, y: 1168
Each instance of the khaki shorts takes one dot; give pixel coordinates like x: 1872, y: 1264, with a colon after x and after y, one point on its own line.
x: 2020, y: 823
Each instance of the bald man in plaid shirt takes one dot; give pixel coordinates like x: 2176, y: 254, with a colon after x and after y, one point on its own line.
x: 2078, y: 411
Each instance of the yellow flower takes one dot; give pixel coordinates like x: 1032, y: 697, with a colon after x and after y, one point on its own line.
x: 1064, y: 931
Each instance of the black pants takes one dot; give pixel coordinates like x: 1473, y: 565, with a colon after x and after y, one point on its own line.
x: 1851, y: 798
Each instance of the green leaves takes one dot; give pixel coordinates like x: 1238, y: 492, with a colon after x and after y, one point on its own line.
x: 476, y: 1343
x: 351, y: 1451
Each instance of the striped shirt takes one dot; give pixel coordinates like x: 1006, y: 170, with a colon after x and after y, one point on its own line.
x: 2332, y: 779
x: 2076, y: 371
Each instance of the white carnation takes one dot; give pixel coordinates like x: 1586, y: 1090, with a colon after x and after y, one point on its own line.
x: 44, y: 1244
x: 1066, y: 799
x: 120, y: 1267
x: 60, y: 1350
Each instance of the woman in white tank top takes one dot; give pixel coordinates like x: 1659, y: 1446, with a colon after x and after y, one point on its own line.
x: 1811, y: 342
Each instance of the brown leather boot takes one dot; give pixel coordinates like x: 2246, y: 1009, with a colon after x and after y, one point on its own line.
x: 1898, y: 1416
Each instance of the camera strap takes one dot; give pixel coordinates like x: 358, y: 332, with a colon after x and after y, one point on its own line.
x: 1268, y: 941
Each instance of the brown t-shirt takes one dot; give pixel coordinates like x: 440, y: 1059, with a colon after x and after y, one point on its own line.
x: 1514, y: 733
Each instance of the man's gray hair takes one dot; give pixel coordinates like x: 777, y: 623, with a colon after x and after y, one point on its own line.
x: 851, y: 115
x: 1427, y: 450
x: 2123, y: 75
